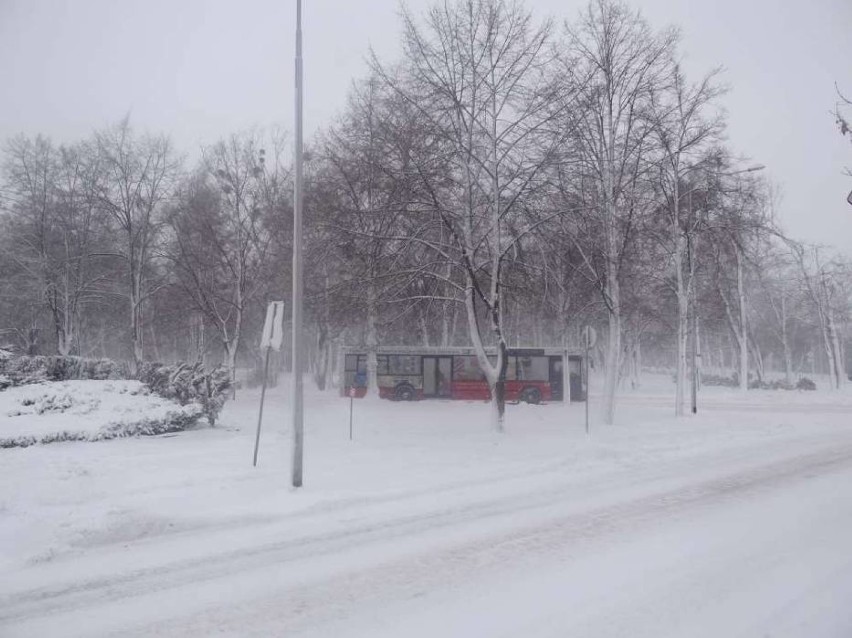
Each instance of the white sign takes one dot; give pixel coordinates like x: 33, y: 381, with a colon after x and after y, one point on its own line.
x: 273, y: 327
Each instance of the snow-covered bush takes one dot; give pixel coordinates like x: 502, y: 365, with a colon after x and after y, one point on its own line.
x: 775, y: 384
x: 779, y: 384
x: 718, y: 380
x: 189, y: 383
x: 88, y: 411
x: 25, y: 370
x: 181, y: 382
x: 805, y: 384
x: 176, y: 420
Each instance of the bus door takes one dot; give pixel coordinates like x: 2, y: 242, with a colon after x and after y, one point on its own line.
x: 555, y: 378
x: 575, y: 378
x: 437, y: 373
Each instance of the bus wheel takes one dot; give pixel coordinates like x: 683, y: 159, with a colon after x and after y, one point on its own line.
x: 531, y: 395
x: 404, y: 392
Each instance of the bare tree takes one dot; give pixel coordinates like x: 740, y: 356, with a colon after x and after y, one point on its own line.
x: 58, y: 229
x: 617, y: 60
x: 138, y: 174
x: 826, y: 286
x: 735, y: 231
x: 362, y: 173
x: 220, y: 234
x: 477, y: 73
x: 683, y: 129
x: 780, y: 284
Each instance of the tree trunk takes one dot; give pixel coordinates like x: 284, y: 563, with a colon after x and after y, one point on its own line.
x: 495, y: 374
x: 136, y: 331
x: 154, y: 344
x: 498, y: 388
x: 612, y: 365
x: 637, y: 363
x: 321, y: 358
x: 135, y: 274
x: 759, y: 369
x: 682, y: 302
x: 64, y: 341
x: 836, y: 360
x: 372, y: 340
x: 612, y: 283
x: 682, y: 342
x: 230, y: 362
x: 424, y: 330
x: 742, y: 337
x: 63, y: 322
x: 785, y: 345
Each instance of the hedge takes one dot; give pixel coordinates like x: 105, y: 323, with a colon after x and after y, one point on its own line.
x: 181, y: 382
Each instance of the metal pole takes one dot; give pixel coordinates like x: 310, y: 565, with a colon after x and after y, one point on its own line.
x: 297, y: 392
x: 260, y: 413
x: 351, y: 401
x: 588, y: 388
x: 694, y: 358
x: 694, y: 295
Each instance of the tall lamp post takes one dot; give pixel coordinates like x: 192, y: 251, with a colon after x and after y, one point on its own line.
x: 696, y: 348
x: 296, y: 386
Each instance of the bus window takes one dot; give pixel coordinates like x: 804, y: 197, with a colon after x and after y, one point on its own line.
x: 466, y: 368
x: 533, y: 369
x: 355, y: 370
x: 405, y: 364
x: 351, y: 364
x: 512, y: 368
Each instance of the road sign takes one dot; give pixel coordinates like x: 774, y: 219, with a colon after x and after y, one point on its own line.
x: 273, y: 327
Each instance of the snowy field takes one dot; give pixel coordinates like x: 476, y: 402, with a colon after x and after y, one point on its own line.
x: 732, y: 523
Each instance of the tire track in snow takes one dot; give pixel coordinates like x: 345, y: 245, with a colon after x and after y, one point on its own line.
x: 504, y: 539
x: 410, y: 576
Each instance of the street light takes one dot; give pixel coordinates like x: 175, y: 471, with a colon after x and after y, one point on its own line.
x: 696, y: 350
x: 296, y: 387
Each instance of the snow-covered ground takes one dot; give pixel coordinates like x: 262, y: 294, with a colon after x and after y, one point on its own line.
x: 732, y: 523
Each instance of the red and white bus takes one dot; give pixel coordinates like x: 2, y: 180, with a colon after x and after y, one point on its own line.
x: 407, y: 373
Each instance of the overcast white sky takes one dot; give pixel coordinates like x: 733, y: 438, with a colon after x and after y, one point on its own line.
x: 199, y: 69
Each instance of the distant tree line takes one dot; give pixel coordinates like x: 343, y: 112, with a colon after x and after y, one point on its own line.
x: 506, y: 182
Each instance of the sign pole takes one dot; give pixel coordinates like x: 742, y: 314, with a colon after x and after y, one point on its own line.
x: 351, y: 408
x: 695, y: 375
x: 590, y: 337
x: 260, y: 413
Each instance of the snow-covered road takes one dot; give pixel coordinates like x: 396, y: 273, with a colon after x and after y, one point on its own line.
x: 707, y: 530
